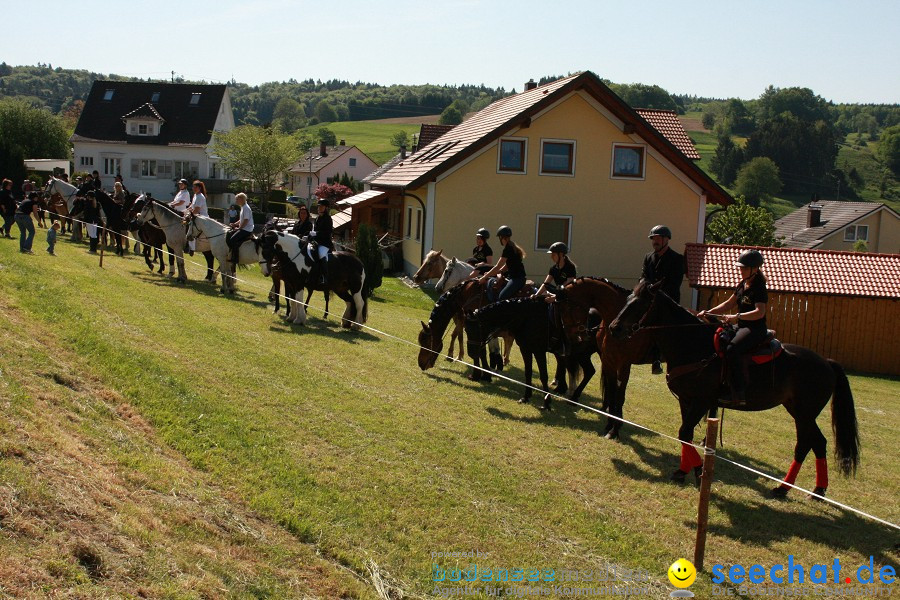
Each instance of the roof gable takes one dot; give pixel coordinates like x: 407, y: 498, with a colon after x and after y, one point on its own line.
x: 799, y: 270
x: 836, y: 215
x: 184, y: 122
x: 320, y: 161
x: 496, y: 119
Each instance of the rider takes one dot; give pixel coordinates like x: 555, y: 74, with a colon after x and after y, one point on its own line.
x: 304, y: 224
x: 482, y: 254
x: 92, y: 219
x: 321, y: 234
x: 511, y: 261
x: 750, y: 298
x: 182, y: 199
x: 666, y: 265
x: 198, y: 207
x: 561, y: 274
x: 243, y: 227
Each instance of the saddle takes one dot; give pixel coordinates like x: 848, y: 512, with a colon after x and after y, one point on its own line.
x: 496, y: 284
x: 767, y: 351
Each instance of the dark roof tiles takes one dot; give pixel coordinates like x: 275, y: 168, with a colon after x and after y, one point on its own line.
x: 835, y: 216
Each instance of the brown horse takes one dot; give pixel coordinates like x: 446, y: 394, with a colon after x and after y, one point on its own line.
x: 432, y: 267
x: 798, y: 378
x: 57, y: 209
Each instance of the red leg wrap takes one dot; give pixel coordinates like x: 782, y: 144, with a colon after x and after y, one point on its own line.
x: 690, y: 458
x: 822, y: 472
x: 792, y: 473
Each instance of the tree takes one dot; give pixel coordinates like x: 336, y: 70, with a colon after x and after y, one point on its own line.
x: 289, y: 115
x: 369, y: 254
x: 28, y: 132
x: 450, y: 116
x: 758, y: 180
x: 727, y: 160
x: 333, y: 192
x: 325, y: 113
x: 800, y: 102
x: 400, y: 139
x: 889, y: 148
x: 326, y: 136
x: 743, y: 225
x: 258, y: 154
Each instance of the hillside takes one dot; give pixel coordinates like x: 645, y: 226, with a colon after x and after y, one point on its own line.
x: 372, y: 137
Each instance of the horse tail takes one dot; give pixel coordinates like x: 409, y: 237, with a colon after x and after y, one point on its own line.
x: 364, y: 292
x: 843, y: 422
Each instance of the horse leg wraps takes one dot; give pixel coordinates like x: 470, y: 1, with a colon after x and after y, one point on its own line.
x: 822, y: 473
x: 690, y: 458
x: 792, y: 473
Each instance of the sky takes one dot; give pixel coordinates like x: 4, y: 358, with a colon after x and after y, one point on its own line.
x: 844, y: 51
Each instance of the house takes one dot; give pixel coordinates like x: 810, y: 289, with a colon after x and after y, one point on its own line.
x: 838, y: 225
x: 306, y: 175
x: 567, y: 161
x: 154, y: 134
x: 843, y: 305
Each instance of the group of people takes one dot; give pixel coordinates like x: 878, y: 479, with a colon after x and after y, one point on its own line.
x: 23, y: 215
x: 663, y: 266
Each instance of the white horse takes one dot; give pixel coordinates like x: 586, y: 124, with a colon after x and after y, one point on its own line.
x: 199, y: 226
x: 64, y: 189
x: 172, y: 225
x: 455, y: 272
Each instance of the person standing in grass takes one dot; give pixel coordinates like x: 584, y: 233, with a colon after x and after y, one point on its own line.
x: 28, y: 208
x: 7, y: 207
x: 51, y: 238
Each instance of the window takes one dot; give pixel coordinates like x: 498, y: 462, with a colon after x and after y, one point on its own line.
x: 87, y: 161
x: 557, y: 157
x: 142, y: 130
x: 213, y: 170
x: 352, y: 162
x: 108, y: 94
x: 195, y: 99
x: 409, y: 215
x: 552, y: 228
x: 418, y: 224
x: 154, y: 97
x: 186, y: 169
x: 512, y: 156
x: 309, y: 181
x: 628, y: 162
x: 148, y: 168
x: 856, y: 232
x: 112, y: 166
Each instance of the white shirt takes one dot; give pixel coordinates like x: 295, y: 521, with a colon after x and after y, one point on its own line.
x: 246, y: 213
x: 199, y: 202
x: 181, y: 201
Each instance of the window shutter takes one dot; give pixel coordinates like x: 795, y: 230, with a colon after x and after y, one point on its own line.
x: 135, y: 167
x: 133, y: 129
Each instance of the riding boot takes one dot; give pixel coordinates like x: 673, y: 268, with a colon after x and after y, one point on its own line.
x: 738, y: 386
x: 93, y: 244
x: 323, y: 269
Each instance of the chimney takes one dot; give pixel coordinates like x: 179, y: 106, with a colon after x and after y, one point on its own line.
x: 322, y: 149
x: 343, y: 143
x: 530, y: 85
x: 814, y: 215
x: 402, y: 152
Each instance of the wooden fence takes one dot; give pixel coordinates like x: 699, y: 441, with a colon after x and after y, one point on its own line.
x: 862, y: 334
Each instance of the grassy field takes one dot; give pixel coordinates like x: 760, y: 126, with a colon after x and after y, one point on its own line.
x: 172, y: 416
x: 373, y: 137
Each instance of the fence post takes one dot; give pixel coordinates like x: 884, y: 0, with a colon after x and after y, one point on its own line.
x: 100, y: 232
x: 709, y: 460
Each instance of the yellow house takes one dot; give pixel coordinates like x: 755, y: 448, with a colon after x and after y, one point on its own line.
x: 838, y: 225
x: 567, y: 161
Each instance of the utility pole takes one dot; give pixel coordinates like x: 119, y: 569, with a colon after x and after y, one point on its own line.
x: 173, y: 76
x: 309, y: 179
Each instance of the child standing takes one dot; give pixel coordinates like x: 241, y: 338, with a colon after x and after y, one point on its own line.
x: 51, y: 237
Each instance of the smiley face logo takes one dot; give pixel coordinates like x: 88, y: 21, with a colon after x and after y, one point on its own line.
x: 682, y: 573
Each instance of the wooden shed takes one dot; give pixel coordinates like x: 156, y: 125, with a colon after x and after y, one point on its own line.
x: 843, y: 305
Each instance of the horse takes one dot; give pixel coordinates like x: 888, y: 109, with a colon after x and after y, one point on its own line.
x: 56, y: 207
x: 346, y: 278
x: 455, y: 271
x: 432, y: 266
x: 276, y: 262
x: 67, y: 193
x: 172, y: 225
x: 151, y: 236
x: 215, y: 233
x: 797, y: 378
x: 114, y: 223
x: 276, y: 274
x: 526, y: 319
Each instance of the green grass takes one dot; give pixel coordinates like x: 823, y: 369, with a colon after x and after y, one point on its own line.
x: 372, y: 137
x: 342, y: 441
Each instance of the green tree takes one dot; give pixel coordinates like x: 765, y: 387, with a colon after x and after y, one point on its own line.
x: 889, y: 148
x: 450, y: 116
x: 369, y: 254
x: 325, y: 113
x: 261, y: 155
x: 758, y: 180
x: 326, y: 136
x: 727, y: 160
x: 289, y: 115
x: 401, y: 138
x: 803, y: 103
x: 860, y: 246
x: 28, y: 132
x: 742, y: 224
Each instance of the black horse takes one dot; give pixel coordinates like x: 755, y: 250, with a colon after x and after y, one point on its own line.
x: 528, y: 322
x: 798, y: 378
x: 114, y: 222
x: 152, y: 238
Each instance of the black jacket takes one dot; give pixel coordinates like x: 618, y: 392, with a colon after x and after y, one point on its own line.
x: 669, y: 267
x: 302, y: 228
x: 7, y: 202
x: 324, y: 228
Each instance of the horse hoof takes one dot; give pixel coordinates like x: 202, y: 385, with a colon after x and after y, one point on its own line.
x: 678, y: 476
x: 449, y: 359
x: 611, y: 435
x: 779, y: 492
x: 523, y: 400
x: 819, y: 491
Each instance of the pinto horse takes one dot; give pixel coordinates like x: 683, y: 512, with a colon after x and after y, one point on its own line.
x: 798, y: 378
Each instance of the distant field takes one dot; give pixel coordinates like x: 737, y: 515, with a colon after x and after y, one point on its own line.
x: 373, y: 137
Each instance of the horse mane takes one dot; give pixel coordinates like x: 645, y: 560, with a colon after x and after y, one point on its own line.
x: 612, y: 284
x: 680, y: 311
x: 442, y: 307
x: 490, y: 309
x: 166, y: 207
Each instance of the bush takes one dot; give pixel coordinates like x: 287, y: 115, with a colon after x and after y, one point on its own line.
x: 369, y: 253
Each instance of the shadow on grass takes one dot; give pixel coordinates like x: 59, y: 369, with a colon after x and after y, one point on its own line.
x: 199, y: 286
x: 331, y: 329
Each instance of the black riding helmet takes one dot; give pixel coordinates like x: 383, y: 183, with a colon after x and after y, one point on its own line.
x: 324, y: 202
x: 661, y: 230
x: 558, y: 247
x: 483, y: 234
x: 750, y: 258
x: 504, y: 231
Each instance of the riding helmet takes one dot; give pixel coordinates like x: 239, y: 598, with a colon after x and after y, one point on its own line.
x: 558, y: 247
x: 750, y: 258
x: 504, y: 231
x: 184, y: 181
x: 324, y: 202
x: 661, y: 230
x: 483, y: 234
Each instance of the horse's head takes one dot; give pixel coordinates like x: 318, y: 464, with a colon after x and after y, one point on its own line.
x: 639, y: 310
x: 146, y: 212
x: 267, y: 250
x: 430, y: 344
x: 431, y: 267
x: 77, y: 207
x: 191, y: 229
x: 445, y: 276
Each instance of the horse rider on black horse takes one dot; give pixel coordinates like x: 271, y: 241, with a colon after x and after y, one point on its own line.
x: 321, y: 245
x: 666, y: 265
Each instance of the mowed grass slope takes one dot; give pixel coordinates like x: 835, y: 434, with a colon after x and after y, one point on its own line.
x: 372, y: 137
x: 343, y: 442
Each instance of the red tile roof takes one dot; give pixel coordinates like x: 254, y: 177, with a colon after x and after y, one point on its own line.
x: 829, y: 272
x: 429, y: 133
x: 667, y: 123
x: 505, y: 114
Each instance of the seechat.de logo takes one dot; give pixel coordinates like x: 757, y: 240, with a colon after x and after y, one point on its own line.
x: 682, y: 574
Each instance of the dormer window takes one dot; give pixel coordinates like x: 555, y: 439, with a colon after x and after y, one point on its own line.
x: 138, y: 128
x: 108, y: 94
x: 195, y: 99
x: 154, y: 97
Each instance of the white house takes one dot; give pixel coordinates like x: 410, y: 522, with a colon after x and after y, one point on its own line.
x: 330, y: 161
x: 154, y: 134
